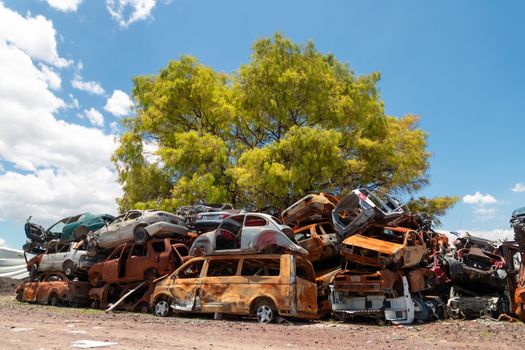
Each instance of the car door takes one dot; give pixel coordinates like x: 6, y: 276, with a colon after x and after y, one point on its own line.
x: 46, y: 263
x: 136, y: 263
x: 60, y: 257
x: 185, y: 285
x: 415, y: 249
x: 112, y: 266
x: 305, y: 288
x: 128, y: 225
x: 221, y: 287
x: 31, y: 289
x: 109, y: 235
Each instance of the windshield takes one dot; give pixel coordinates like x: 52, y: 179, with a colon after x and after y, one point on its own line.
x: 519, y: 211
x: 57, y: 228
x: 384, y: 234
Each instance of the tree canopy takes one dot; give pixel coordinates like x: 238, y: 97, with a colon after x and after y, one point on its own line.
x: 291, y: 121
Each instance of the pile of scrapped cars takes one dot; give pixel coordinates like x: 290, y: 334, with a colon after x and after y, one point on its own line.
x: 363, y: 256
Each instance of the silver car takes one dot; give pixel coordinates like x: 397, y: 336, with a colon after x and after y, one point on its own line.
x: 138, y: 226
x: 247, y: 233
x: 70, y: 258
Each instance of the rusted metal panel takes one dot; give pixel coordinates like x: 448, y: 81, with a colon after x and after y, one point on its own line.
x: 43, y: 287
x: 311, y: 208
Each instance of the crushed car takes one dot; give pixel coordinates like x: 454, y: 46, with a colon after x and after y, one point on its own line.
x: 319, y: 240
x: 73, y: 228
x: 54, y: 288
x: 138, y: 226
x: 311, y: 208
x: 247, y: 233
x: 382, y: 247
x: 132, y: 262
x: 264, y: 286
x: 363, y: 207
x: 70, y: 258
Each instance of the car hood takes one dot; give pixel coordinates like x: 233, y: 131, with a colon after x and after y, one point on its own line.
x: 372, y: 244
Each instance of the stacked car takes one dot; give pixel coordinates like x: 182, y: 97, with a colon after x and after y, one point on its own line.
x: 360, y: 256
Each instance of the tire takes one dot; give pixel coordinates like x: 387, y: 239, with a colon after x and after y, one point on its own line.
x: 162, y: 307
x: 265, y: 311
x: 143, y: 308
x: 96, y: 280
x: 68, y: 268
x: 140, y: 235
x: 150, y: 274
x: 53, y: 300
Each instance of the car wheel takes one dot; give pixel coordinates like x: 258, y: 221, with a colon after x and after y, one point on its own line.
x: 140, y: 235
x: 143, y: 308
x: 53, y: 300
x: 265, y: 311
x: 96, y: 280
x: 69, y: 268
x: 162, y: 308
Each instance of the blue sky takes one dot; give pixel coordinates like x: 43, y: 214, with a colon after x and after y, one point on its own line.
x: 67, y: 68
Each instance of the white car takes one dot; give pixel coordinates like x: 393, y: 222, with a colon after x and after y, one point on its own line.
x: 247, y: 233
x: 138, y: 226
x: 69, y: 258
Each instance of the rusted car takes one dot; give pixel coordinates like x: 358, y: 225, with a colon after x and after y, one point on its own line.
x: 138, y: 226
x: 476, y: 268
x: 54, y: 288
x: 131, y: 262
x: 382, y: 247
x: 264, y: 286
x: 319, y: 240
x: 70, y: 258
x: 247, y: 233
x: 311, y: 208
x: 363, y: 207
x: 134, y: 296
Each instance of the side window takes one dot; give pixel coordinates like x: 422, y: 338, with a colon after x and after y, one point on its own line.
x: 222, y: 267
x: 138, y: 250
x: 183, y: 251
x: 229, y: 233
x: 118, y: 219
x: 255, y: 221
x: 64, y: 249
x: 302, y: 234
x: 328, y: 228
x: 133, y: 215
x: 158, y: 247
x: 116, y: 253
x: 318, y: 230
x: 302, y: 271
x: 192, y: 270
x: 260, y: 267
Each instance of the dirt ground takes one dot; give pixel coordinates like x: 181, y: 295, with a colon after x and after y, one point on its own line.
x: 29, y: 326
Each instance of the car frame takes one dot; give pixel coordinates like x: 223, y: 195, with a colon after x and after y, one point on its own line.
x: 69, y: 258
x: 319, y: 239
x: 258, y: 233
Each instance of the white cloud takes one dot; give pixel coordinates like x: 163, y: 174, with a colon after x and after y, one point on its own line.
x: 479, y: 199
x: 91, y: 87
x: 519, y: 187
x: 126, y: 12
x: 66, y: 166
x: 119, y: 104
x: 94, y: 117
x: 64, y: 5
x: 74, y: 102
x: 114, y: 127
x: 33, y: 35
x: 51, y: 77
x: 2, y: 242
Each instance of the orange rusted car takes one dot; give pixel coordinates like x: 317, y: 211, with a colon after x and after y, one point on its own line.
x: 132, y: 262
x: 264, y: 286
x: 383, y: 247
x: 54, y: 288
x: 311, y: 208
x: 319, y: 240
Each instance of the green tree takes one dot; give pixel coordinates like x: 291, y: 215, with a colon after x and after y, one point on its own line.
x: 290, y: 122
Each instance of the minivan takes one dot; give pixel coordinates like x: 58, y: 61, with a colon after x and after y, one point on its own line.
x: 261, y: 285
